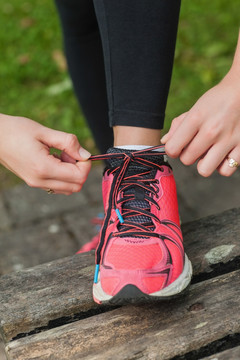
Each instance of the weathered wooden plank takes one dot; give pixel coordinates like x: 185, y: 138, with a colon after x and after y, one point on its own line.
x: 2, y: 350
x: 32, y: 297
x: 213, y: 240
x: 210, y: 311
x: 29, y: 299
x: 231, y: 354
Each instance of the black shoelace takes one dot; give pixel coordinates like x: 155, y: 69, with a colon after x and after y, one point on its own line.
x: 137, y: 186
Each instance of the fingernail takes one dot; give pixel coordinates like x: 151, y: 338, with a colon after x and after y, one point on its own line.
x: 162, y: 139
x: 84, y: 154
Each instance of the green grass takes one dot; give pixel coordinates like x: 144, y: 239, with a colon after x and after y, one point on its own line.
x: 30, y: 36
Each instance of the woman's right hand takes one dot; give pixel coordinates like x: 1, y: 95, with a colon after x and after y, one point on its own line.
x: 25, y: 150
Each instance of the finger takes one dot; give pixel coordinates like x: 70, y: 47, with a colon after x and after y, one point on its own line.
x: 59, y: 187
x: 174, y: 125
x: 196, y: 148
x: 213, y: 158
x: 66, y: 142
x: 73, y: 173
x: 48, y: 167
x: 225, y: 168
x: 67, y: 158
x: 182, y: 136
x: 57, y: 192
x: 56, y: 156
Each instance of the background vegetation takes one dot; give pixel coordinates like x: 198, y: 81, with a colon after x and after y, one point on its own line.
x: 33, y: 75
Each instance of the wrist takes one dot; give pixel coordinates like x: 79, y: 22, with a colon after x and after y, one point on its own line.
x: 232, y: 80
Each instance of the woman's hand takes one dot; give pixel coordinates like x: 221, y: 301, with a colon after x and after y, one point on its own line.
x: 25, y: 150
x: 210, y: 131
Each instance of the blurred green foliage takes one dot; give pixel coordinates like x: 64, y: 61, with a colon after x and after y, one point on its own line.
x: 34, y: 80
x: 30, y: 63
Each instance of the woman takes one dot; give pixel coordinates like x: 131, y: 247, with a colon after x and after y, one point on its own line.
x: 120, y: 56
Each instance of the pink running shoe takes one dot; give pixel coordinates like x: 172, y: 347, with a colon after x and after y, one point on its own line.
x: 93, y: 243
x: 140, y: 255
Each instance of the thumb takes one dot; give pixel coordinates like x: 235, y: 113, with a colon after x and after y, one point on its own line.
x: 65, y: 142
x: 174, y: 125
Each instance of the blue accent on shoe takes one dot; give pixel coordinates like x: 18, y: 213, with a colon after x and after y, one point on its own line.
x: 119, y: 216
x: 96, y: 274
x: 100, y: 215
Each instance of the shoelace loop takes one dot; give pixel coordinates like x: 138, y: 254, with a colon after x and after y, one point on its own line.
x: 124, y: 183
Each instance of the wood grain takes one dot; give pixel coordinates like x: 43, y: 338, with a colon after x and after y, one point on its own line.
x: 231, y: 354
x: 32, y: 298
x: 210, y: 311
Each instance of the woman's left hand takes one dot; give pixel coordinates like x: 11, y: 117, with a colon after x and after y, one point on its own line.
x: 210, y: 131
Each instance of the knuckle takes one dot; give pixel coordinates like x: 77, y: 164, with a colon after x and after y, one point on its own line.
x: 83, y: 178
x: 79, y: 178
x: 203, y: 172
x: 71, y: 139
x: 30, y: 183
x: 171, y: 151
x: 225, y: 172
x: 213, y: 131
x: 193, y: 118
x: 77, y: 188
x: 186, y: 160
x: 41, y: 171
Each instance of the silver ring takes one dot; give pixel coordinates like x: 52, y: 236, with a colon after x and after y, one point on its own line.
x: 232, y: 163
x: 50, y: 191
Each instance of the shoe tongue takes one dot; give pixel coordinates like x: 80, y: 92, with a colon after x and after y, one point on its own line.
x: 133, y: 169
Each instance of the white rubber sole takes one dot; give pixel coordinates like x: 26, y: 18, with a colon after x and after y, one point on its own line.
x: 173, y: 289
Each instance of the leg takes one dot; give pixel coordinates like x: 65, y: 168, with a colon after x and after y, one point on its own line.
x: 85, y: 61
x: 140, y: 254
x: 138, y: 42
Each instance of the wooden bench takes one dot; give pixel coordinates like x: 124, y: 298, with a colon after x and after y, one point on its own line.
x: 47, y: 312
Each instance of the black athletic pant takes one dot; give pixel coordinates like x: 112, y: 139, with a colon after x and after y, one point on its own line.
x: 120, y: 56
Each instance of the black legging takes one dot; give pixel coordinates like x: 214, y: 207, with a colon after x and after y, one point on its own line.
x: 134, y: 40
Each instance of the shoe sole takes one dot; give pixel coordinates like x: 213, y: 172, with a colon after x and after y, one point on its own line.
x: 132, y: 294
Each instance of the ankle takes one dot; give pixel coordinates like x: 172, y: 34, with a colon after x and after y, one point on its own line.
x: 130, y: 135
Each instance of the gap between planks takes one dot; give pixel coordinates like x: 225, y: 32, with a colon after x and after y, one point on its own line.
x: 33, y: 298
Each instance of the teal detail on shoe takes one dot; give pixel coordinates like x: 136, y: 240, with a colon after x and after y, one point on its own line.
x: 96, y: 274
x: 119, y: 216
